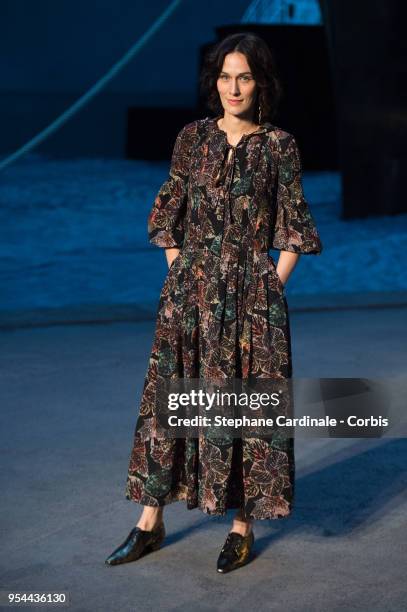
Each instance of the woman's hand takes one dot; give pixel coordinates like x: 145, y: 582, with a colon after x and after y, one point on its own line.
x: 171, y: 254
x: 286, y: 264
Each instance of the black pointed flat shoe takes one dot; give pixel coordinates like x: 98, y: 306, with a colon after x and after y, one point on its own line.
x: 235, y: 552
x: 137, y: 543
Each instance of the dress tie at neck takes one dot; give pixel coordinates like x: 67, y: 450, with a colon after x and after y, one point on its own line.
x: 225, y: 166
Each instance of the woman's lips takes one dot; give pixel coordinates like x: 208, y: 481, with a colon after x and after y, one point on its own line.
x: 234, y: 102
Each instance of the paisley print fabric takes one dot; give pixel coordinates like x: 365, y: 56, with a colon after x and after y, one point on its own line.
x: 222, y: 313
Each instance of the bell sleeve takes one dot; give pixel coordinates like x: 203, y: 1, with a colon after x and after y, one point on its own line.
x: 294, y: 227
x: 165, y: 224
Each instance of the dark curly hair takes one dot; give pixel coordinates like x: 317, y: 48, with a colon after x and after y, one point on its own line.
x: 262, y: 65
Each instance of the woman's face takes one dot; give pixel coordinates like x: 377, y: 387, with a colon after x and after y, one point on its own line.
x: 236, y: 86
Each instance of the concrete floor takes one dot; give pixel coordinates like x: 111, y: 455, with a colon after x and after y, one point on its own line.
x: 69, y: 405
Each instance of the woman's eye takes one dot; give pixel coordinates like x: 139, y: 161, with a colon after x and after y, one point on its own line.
x: 224, y: 77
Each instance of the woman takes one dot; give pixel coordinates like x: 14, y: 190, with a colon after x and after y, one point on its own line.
x: 234, y: 191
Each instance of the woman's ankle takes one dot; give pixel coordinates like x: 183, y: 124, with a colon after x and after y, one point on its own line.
x: 151, y: 519
x: 242, y: 526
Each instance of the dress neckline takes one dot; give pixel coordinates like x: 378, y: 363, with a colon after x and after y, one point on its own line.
x: 263, y: 127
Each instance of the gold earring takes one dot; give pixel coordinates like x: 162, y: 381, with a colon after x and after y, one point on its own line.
x: 259, y: 113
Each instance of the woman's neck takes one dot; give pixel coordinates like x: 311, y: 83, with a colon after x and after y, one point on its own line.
x: 235, y: 126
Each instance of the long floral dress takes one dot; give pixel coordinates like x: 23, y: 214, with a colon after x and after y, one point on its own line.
x: 222, y: 312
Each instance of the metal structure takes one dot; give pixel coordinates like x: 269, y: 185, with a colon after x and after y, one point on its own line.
x: 283, y: 11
